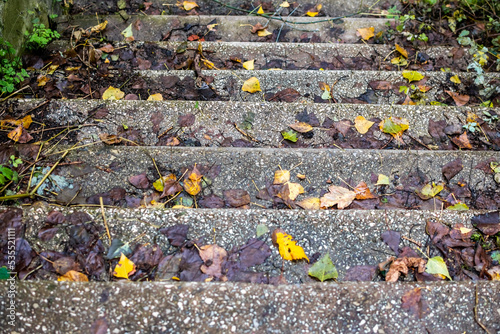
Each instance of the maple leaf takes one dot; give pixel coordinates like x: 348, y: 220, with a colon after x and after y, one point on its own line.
x: 288, y: 248
x: 124, y: 268
x: 362, y: 124
x: 337, y: 195
x: 323, y: 269
x: 366, y: 33
x: 73, y: 276
x: 252, y: 85
x: 363, y: 192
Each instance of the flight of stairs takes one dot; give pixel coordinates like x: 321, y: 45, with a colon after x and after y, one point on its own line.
x: 237, y: 157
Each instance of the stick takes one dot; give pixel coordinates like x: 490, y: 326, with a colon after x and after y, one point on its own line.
x: 104, y: 219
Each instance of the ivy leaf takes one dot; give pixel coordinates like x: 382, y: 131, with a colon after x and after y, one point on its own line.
x: 412, y: 76
x: 436, y: 265
x: 324, y: 269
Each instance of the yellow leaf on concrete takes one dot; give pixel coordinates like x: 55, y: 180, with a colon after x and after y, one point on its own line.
x: 188, y: 5
x: 98, y: 28
x: 383, y: 180
x: 260, y: 11
x: 301, y: 127
x: 252, y: 85
x: 402, y: 51
x: 455, y: 79
x: 263, y: 33
x: 362, y: 124
x: 192, y: 187
x: 281, y: 176
x: 412, y: 76
x: 155, y: 97
x: 311, y: 203
x: 113, y: 94
x: 290, y: 191
x: 73, y: 276
x: 248, y: 65
x: 288, y: 248
x: 124, y: 268
x: 315, y: 11
x: 366, y: 33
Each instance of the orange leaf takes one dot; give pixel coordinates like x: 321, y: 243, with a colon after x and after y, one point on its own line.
x: 366, y: 33
x: 462, y: 141
x: 73, y: 276
x: 363, y: 192
x: 20, y: 135
x: 401, y: 50
x: 192, y: 187
x: 460, y: 100
x: 188, y: 5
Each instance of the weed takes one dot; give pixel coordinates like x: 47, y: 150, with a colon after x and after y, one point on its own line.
x: 11, y: 72
x: 40, y: 36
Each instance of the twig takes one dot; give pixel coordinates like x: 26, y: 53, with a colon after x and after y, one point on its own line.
x: 104, y: 219
x: 421, y: 143
x: 244, y: 133
x: 411, y: 240
x: 17, y: 91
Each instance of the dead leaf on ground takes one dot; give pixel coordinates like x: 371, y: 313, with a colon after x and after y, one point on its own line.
x: 462, y: 141
x: 113, y: 94
x: 363, y: 192
x: 366, y: 33
x: 249, y: 65
x: 281, y: 176
x: 337, y: 195
x: 73, y: 276
x: 20, y: 135
x: 311, y: 203
x: 412, y: 301
x: 124, y: 268
x: 288, y: 248
x: 301, y: 127
x: 362, y: 124
x: 188, y: 5
x: 402, y: 51
x: 109, y: 139
x: 213, y: 257
x: 252, y: 85
x: 290, y: 191
x: 314, y: 11
x: 460, y: 100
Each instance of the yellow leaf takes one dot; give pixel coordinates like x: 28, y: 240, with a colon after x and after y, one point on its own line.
x: 192, y: 187
x: 362, y: 124
x: 412, y: 76
x: 263, y: 33
x: 301, y: 176
x: 98, y: 28
x: 430, y: 191
x: 366, y: 33
x: 465, y: 230
x: 402, y: 51
x: 159, y: 184
x: 394, y: 126
x: 260, y: 11
x: 399, y: 61
x: 285, y: 4
x: 128, y: 34
x: 113, y: 94
x: 188, y: 5
x: 73, y: 276
x: 124, y: 268
x: 211, y: 27
x: 155, y: 97
x: 208, y: 64
x: 315, y: 11
x: 52, y: 69
x: 179, y: 206
x: 337, y: 195
x: 76, y: 68
x: 382, y: 180
x: 281, y: 176
x: 252, y: 85
x: 455, y: 79
x: 301, y: 127
x: 290, y: 191
x: 288, y: 248
x: 311, y: 203
x: 248, y: 65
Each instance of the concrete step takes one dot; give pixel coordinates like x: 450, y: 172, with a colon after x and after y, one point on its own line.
x: 229, y: 28
x: 169, y: 7
x: 291, y: 56
x: 351, y: 237
x: 103, y: 168
x: 214, y: 121
x: 51, y: 307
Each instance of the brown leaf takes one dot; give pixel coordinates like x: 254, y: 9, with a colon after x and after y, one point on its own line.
x: 380, y: 85
x: 290, y: 191
x: 186, y: 120
x: 213, y: 257
x: 73, y: 276
x: 285, y: 95
x: 20, y: 135
x: 237, y: 197
x: 109, y: 139
x: 108, y: 48
x: 412, y: 301
x: 301, y: 127
x: 257, y: 27
x: 139, y: 181
x: 452, y: 168
x: 337, y: 195
x: 460, y: 100
x: 64, y: 264
x: 462, y: 141
x: 363, y: 192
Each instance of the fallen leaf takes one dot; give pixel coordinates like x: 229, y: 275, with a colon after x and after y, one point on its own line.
x: 362, y: 124
x: 186, y: 120
x: 289, y: 135
x: 314, y: 11
x: 213, y: 257
x: 188, y: 5
x: 128, y: 34
x: 452, y: 168
x: 324, y: 269
x: 285, y: 4
x: 458, y: 207
x: 281, y: 176
x: 394, y: 126
x: 113, y: 94
x: 261, y: 230
x: 108, y: 48
x: 412, y: 301
x: 192, y: 187
x: 435, y: 265
x: 211, y: 27
x: 237, y: 197
x: 402, y: 51
x: 263, y: 33
x: 155, y: 97
x: 124, y: 268
x: 460, y: 100
x: 392, y: 239
x: 288, y: 248
x: 260, y: 11
x: 337, y: 195
x: 249, y: 65
x: 301, y: 127
x: 42, y: 80
x: 159, y: 184
x: 366, y: 33
x: 363, y: 192
x: 257, y: 27
x: 252, y: 85
x: 412, y: 76
x: 176, y: 234
x: 382, y: 180
x: 139, y: 181
x: 109, y: 139
x: 73, y: 276
x: 311, y: 203
x: 98, y: 28
x: 462, y: 141
x: 290, y: 191
x: 430, y: 191
x: 20, y: 135
x: 455, y: 79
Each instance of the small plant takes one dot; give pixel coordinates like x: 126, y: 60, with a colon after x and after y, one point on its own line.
x: 489, y: 117
x: 40, y: 37
x: 471, y: 127
x: 11, y: 72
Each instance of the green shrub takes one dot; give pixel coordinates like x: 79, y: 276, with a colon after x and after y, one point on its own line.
x: 11, y: 72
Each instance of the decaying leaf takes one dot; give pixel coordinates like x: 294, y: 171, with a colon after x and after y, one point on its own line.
x: 394, y: 126
x: 362, y: 124
x: 20, y: 135
x: 155, y: 97
x: 400, y: 266
x: 188, y: 5
x: 213, y: 256
x: 263, y: 33
x: 124, y: 268
x: 249, y: 65
x: 290, y: 191
x: 337, y: 195
x: 366, y: 33
x: 128, y: 34
x: 98, y: 28
x: 311, y: 203
x: 458, y: 207
x: 412, y: 76
x: 462, y: 141
x: 436, y: 266
x: 324, y: 269
x: 73, y: 276
x: 113, y: 94
x: 363, y: 192
x: 288, y: 248
x: 252, y: 85
x: 460, y: 100
x: 281, y: 176
x: 159, y: 184
x: 109, y: 139
x: 430, y: 191
x: 301, y: 127
x: 314, y: 11
x: 402, y: 51
x: 412, y: 301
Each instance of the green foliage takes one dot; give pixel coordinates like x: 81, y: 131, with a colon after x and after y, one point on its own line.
x: 40, y: 36
x: 11, y: 72
x: 7, y: 173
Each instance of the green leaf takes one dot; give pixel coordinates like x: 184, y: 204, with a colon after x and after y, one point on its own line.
x: 4, y: 273
x: 324, y: 269
x: 436, y: 265
x: 262, y: 229
x: 117, y: 248
x: 458, y: 207
x: 326, y: 95
x: 495, y: 256
x: 382, y: 180
x: 412, y: 76
x: 289, y: 135
x: 127, y: 33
